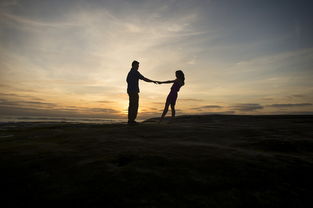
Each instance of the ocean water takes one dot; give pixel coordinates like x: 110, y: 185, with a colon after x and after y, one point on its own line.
x: 45, y: 119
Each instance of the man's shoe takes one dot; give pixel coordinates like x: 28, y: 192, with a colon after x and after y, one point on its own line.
x: 133, y: 123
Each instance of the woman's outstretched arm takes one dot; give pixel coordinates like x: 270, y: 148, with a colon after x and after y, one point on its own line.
x: 166, y: 82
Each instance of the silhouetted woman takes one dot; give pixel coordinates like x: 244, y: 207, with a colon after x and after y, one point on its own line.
x: 172, y: 96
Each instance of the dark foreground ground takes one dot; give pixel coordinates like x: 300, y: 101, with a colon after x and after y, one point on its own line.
x: 196, y: 161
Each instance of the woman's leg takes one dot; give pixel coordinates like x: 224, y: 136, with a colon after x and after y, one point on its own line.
x: 173, y: 110
x: 165, y: 110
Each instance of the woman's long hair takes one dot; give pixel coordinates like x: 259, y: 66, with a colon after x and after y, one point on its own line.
x: 181, y: 76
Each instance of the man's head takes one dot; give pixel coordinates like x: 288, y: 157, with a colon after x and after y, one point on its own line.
x: 135, y: 65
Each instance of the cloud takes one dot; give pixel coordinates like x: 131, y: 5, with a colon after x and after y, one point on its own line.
x: 104, y: 101
x: 247, y: 107
x: 206, y: 107
x: 217, y: 113
x: 34, y: 23
x: 23, y: 103
x: 24, y: 111
x: 158, y: 103
x: 298, y: 95
x: 33, y: 108
x: 300, y: 113
x: 290, y: 105
x: 101, y: 110
x: 20, y: 96
x: 191, y: 100
x: 91, y: 90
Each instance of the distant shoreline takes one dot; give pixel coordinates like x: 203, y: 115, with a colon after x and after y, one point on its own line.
x: 190, y: 118
x: 43, y: 119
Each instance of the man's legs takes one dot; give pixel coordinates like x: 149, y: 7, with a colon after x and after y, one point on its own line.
x: 133, y: 106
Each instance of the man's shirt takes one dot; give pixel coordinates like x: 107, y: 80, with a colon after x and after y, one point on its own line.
x: 132, y: 81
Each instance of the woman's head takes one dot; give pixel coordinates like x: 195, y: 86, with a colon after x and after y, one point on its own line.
x: 180, y: 75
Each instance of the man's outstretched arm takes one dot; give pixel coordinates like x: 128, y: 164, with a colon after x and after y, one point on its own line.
x: 146, y: 79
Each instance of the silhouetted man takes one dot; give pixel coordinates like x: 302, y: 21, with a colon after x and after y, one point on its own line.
x: 133, y: 91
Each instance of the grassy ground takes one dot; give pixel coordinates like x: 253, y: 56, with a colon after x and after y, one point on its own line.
x: 194, y: 161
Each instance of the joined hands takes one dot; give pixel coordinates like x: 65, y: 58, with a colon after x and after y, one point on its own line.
x: 157, y: 82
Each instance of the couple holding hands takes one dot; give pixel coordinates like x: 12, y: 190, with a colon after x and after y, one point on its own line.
x: 133, y: 91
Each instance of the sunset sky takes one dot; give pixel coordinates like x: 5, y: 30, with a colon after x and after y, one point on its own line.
x: 71, y: 58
